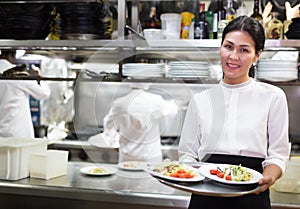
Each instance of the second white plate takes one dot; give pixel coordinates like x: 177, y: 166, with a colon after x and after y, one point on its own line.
x: 97, y: 171
x: 132, y: 165
x: 205, y: 171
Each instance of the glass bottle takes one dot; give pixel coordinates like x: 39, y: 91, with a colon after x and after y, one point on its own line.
x: 219, y: 20
x: 256, y: 14
x: 152, y: 21
x: 210, y: 19
x: 202, y: 25
x: 242, y: 10
x: 230, y: 11
x: 274, y: 29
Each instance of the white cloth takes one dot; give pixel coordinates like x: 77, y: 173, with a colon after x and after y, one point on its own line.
x: 5, y: 65
x: 136, y: 118
x: 249, y: 119
x: 15, y: 116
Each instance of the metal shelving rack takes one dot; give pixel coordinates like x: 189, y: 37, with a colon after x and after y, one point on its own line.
x: 122, y: 45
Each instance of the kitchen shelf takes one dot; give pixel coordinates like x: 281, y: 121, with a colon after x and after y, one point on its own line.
x: 48, y: 1
x: 38, y: 78
x: 104, y: 45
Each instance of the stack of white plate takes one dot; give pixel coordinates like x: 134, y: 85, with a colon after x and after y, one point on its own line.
x: 277, y: 70
x: 189, y: 69
x: 144, y: 70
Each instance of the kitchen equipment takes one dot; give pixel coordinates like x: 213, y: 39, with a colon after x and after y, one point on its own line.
x: 14, y: 156
x: 40, y: 131
x: 153, y: 33
x: 48, y: 164
x: 135, y: 32
x: 171, y: 25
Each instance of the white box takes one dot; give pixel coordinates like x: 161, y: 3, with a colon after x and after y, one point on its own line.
x: 14, y: 156
x: 48, y: 164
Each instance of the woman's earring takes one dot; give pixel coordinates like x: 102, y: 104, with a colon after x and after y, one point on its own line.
x: 254, y: 70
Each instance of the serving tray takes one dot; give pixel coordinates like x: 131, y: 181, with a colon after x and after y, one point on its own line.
x: 209, y: 187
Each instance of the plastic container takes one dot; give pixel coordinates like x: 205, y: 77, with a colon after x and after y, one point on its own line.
x: 290, y: 181
x: 48, y: 164
x: 171, y: 25
x: 152, y: 34
x: 14, y: 156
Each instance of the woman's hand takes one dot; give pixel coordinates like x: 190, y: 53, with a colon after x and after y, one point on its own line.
x: 270, y: 174
x: 265, y: 183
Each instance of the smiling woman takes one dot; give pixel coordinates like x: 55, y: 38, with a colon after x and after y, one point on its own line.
x: 220, y: 126
x: 239, y: 50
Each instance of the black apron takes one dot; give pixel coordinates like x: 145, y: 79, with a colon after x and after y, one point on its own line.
x: 249, y: 201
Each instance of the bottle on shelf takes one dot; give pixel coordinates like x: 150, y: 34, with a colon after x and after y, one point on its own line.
x: 152, y: 21
x: 210, y: 19
x: 202, y: 25
x: 274, y: 29
x: 219, y: 20
x: 256, y: 13
x: 242, y: 10
x: 230, y: 11
x: 192, y: 29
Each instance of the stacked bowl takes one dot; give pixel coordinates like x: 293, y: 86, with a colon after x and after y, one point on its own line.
x: 25, y: 21
x: 84, y: 20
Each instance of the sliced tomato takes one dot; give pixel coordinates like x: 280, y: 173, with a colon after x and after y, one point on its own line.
x: 213, y: 171
x: 228, y: 177
x: 173, y: 175
x: 220, y: 174
x: 190, y: 175
x: 181, y: 175
x: 181, y: 171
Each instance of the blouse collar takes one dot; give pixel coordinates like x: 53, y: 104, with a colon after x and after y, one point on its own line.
x: 237, y: 86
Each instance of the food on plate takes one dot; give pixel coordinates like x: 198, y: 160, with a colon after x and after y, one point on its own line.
x: 233, y: 173
x: 130, y: 165
x: 175, y: 169
x: 97, y: 170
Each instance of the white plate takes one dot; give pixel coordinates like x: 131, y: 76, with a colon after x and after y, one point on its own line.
x: 132, y: 165
x: 198, y: 176
x: 89, y: 171
x: 205, y: 171
x: 102, y: 141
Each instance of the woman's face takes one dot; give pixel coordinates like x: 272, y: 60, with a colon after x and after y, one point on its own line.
x: 237, y: 55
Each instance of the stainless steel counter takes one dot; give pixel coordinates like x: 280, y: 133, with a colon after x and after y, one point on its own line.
x: 124, y: 189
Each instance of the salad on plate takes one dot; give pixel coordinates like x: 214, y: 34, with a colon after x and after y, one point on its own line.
x: 174, y: 170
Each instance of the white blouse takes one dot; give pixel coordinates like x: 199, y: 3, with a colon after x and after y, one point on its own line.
x: 248, y: 119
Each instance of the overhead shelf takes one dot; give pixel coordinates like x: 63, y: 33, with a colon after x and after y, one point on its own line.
x: 189, y: 45
x: 48, y: 1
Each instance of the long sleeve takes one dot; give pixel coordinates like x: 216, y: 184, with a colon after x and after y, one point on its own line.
x: 189, y: 142
x: 37, y: 91
x: 278, y: 136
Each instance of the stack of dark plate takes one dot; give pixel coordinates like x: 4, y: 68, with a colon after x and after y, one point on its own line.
x: 25, y: 21
x: 84, y: 20
x: 294, y: 29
